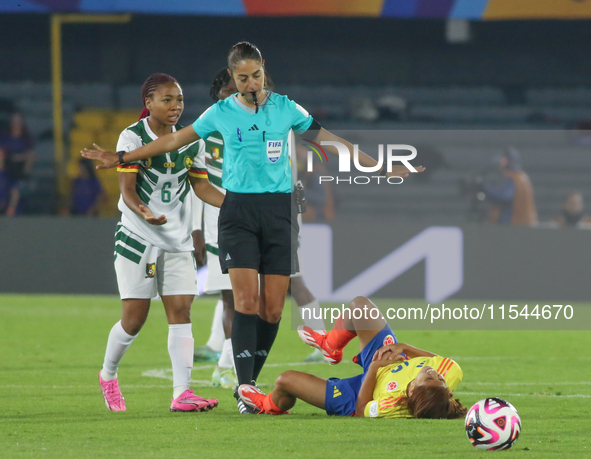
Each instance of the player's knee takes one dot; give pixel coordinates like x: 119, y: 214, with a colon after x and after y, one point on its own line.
x: 359, y: 302
x: 247, y: 303
x: 274, y: 316
x: 181, y: 317
x: 285, y: 380
x: 132, y: 326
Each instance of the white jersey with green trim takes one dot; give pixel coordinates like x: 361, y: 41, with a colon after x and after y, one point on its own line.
x: 163, y: 185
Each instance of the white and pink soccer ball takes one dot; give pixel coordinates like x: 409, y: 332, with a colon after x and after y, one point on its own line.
x: 493, y: 424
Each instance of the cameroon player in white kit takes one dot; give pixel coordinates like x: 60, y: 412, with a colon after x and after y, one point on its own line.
x: 153, y: 245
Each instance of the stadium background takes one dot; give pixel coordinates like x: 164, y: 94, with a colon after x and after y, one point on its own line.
x: 453, y: 65
x: 474, y: 76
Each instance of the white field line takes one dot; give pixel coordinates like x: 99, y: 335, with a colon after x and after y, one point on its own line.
x: 506, y: 394
x: 197, y: 383
x: 268, y: 365
x: 543, y: 383
x: 460, y: 359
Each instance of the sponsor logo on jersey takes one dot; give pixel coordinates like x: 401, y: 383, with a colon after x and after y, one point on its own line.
x: 388, y: 340
x: 150, y: 270
x: 274, y: 148
x: 188, y: 162
x: 215, y: 153
x: 392, y: 386
x: 147, y: 163
x: 171, y: 165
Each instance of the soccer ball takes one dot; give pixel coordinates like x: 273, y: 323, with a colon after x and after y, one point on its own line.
x: 493, y: 423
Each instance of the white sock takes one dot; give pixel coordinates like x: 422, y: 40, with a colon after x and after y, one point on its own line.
x: 117, y: 344
x: 312, y: 316
x: 217, y: 336
x: 227, y: 357
x: 180, y: 349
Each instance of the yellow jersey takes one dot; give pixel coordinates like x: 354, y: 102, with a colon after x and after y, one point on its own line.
x: 392, y: 380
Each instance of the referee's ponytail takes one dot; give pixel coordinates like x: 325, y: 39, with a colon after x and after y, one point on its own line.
x: 150, y: 85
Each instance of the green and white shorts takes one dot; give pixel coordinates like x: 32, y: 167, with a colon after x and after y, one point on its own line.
x: 144, y: 270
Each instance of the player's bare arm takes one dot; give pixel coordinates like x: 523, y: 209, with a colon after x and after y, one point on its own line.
x: 207, y: 192
x: 127, y: 182
x: 166, y: 143
x: 369, y: 383
x: 400, y: 348
x: 364, y: 159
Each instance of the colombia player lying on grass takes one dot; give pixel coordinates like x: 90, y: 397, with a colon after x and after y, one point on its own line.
x: 398, y: 380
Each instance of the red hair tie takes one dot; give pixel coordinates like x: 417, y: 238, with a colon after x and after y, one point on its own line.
x: 144, y: 114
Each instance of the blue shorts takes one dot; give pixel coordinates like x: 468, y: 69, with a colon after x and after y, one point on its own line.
x: 341, y: 394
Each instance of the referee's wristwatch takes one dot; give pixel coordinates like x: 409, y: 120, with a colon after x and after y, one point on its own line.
x: 120, y: 154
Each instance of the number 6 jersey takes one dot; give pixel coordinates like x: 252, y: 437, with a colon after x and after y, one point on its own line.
x: 163, y: 186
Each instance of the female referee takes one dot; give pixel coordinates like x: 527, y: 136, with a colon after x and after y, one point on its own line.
x: 255, y: 228
x: 398, y: 380
x: 153, y: 254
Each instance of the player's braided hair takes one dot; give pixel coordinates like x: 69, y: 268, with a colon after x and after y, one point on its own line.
x: 150, y: 85
x: 243, y: 51
x: 221, y: 79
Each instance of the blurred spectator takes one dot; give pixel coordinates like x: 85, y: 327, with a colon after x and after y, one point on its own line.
x: 18, y: 160
x: 392, y: 108
x: 513, y: 197
x: 363, y: 109
x: 87, y: 192
x: 572, y: 215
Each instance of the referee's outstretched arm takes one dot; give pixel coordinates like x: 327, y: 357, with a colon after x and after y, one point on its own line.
x: 168, y: 142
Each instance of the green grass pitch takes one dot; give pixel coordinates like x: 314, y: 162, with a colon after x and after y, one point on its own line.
x: 51, y: 349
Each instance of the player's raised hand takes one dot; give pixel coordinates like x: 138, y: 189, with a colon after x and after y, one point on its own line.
x: 108, y: 158
x: 402, y: 171
x: 150, y: 218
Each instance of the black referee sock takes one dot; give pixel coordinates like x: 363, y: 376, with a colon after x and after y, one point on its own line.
x: 266, y: 334
x: 244, y: 344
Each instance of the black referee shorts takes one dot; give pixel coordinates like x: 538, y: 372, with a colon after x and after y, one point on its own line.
x: 258, y: 231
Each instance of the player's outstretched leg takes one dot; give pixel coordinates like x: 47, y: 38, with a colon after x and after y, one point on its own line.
x: 256, y: 399
x: 362, y: 318
x: 290, y: 386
